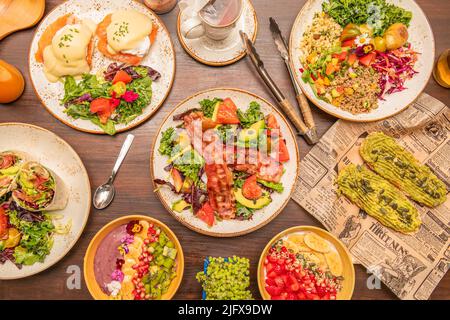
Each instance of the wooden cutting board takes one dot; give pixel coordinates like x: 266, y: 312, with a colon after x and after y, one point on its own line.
x: 19, y: 14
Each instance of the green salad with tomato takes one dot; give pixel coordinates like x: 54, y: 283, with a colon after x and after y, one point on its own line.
x: 26, y: 237
x: 224, y: 162
x: 116, y: 97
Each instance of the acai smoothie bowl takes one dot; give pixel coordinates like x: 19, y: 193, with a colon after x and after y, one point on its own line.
x: 134, y: 258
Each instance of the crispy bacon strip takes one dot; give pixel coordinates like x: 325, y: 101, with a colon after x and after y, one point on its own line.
x: 270, y: 170
x: 265, y: 168
x: 220, y: 190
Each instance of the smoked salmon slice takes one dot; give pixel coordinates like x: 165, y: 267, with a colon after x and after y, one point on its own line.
x: 52, y: 29
x: 102, y: 44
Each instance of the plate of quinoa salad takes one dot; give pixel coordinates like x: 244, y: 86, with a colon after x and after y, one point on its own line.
x: 362, y: 60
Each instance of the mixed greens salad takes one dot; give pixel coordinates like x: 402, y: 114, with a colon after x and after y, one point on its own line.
x: 379, y: 14
x: 116, y: 97
x: 236, y: 167
x: 26, y: 237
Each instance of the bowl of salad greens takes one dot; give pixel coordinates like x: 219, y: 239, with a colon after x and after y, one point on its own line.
x: 362, y: 60
x: 224, y: 162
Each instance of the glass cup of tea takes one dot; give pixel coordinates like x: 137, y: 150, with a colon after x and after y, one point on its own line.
x: 216, y: 20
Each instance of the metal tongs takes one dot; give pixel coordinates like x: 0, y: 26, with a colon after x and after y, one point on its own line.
x: 309, y: 133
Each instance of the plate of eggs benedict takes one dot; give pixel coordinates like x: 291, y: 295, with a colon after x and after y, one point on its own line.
x: 102, y: 66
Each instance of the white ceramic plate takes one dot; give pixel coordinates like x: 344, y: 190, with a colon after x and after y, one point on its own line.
x: 56, y: 154
x: 161, y: 57
x: 228, y: 228
x: 421, y: 38
x: 225, y: 52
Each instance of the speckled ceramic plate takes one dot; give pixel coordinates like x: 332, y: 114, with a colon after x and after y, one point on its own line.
x: 56, y: 154
x: 228, y: 228
x: 421, y: 38
x: 225, y: 52
x: 161, y: 57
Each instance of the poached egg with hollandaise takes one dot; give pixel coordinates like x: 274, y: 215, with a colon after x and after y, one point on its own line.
x: 66, y: 47
x: 126, y: 36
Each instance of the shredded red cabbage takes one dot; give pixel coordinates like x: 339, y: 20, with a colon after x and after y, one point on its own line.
x: 394, y: 67
x: 162, y: 182
x: 26, y: 215
x: 197, y: 197
x: 8, y: 254
x: 111, y: 71
x: 113, y: 68
x: 83, y: 98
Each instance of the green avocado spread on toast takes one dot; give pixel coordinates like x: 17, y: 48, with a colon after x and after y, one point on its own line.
x: 378, y: 198
x: 387, y: 158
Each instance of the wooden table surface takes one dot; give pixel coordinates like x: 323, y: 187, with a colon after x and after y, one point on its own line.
x: 133, y: 184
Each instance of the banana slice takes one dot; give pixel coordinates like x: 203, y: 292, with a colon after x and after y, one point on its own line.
x: 311, y: 257
x: 290, y: 246
x: 322, y: 261
x: 303, y: 248
x: 334, y: 263
x: 296, y: 238
x: 316, y: 243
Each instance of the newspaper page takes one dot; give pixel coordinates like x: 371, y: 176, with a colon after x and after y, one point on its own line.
x: 410, y: 265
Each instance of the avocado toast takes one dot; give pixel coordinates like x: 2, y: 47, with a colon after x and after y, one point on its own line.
x: 378, y: 198
x: 387, y: 158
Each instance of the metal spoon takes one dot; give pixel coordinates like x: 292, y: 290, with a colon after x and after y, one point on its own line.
x: 104, y: 194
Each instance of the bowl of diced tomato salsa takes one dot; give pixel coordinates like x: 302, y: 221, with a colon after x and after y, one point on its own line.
x: 305, y: 263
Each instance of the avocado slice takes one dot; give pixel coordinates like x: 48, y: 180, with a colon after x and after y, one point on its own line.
x: 216, y: 110
x: 253, y: 132
x: 25, y: 182
x: 10, y: 171
x: 179, y: 154
x: 183, y: 139
x: 180, y: 205
x: 252, y: 204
